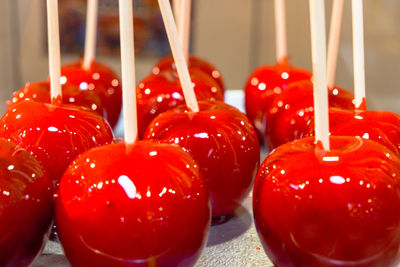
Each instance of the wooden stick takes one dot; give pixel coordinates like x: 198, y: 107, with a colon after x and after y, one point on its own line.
x: 54, y: 52
x: 280, y: 31
x: 184, y: 27
x: 177, y: 5
x: 179, y: 58
x: 318, y: 41
x: 358, y: 53
x: 128, y: 71
x: 91, y: 34
x: 334, y: 38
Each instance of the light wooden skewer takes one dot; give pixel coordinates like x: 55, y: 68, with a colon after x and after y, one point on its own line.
x: 358, y: 53
x: 91, y: 34
x: 334, y: 38
x: 280, y: 31
x: 176, y: 5
x: 318, y: 41
x: 54, y: 52
x: 179, y: 58
x: 128, y: 71
x: 184, y: 25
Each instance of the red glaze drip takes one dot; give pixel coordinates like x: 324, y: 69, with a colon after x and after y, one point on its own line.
x: 101, y: 80
x: 162, y: 92
x: 263, y: 85
x: 26, y: 209
x: 283, y: 62
x: 57, y: 101
x: 195, y: 63
x: 337, y: 208
x: 292, y: 111
x: 141, y: 205
x: 72, y: 95
x: 363, y: 105
x: 224, y: 143
x: 378, y: 126
x: 55, y: 135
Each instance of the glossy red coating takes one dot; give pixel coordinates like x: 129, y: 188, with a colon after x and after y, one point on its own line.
x: 224, y: 143
x: 72, y: 95
x: 55, y: 135
x: 100, y: 79
x: 162, y: 92
x: 263, y: 85
x: 194, y: 63
x: 26, y: 206
x: 133, y: 205
x: 337, y: 208
x: 293, y: 110
x: 379, y: 126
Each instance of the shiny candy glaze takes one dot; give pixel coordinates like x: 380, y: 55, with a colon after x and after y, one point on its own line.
x: 101, y: 80
x: 379, y: 126
x: 55, y: 135
x: 25, y: 206
x: 291, y: 112
x: 194, y: 63
x: 224, y: 143
x: 141, y: 205
x: 162, y: 92
x: 72, y: 95
x: 337, y: 208
x: 263, y: 85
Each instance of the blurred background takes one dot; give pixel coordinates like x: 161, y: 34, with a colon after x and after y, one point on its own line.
x: 235, y: 35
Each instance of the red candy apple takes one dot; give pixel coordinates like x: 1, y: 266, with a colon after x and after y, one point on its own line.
x: 224, y: 143
x: 292, y: 110
x: 40, y: 91
x: 161, y: 92
x: 338, y: 208
x: 54, y: 134
x: 133, y: 205
x: 25, y: 206
x: 101, y: 80
x: 379, y: 126
x: 264, y: 84
x: 195, y: 63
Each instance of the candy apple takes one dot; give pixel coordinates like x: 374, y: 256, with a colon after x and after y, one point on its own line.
x: 26, y: 209
x: 195, y: 63
x: 264, y: 84
x: 224, y: 143
x: 101, y: 80
x: 329, y: 208
x: 292, y: 110
x: 133, y: 205
x: 159, y: 93
x: 379, y: 126
x: 40, y: 91
x: 54, y: 134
